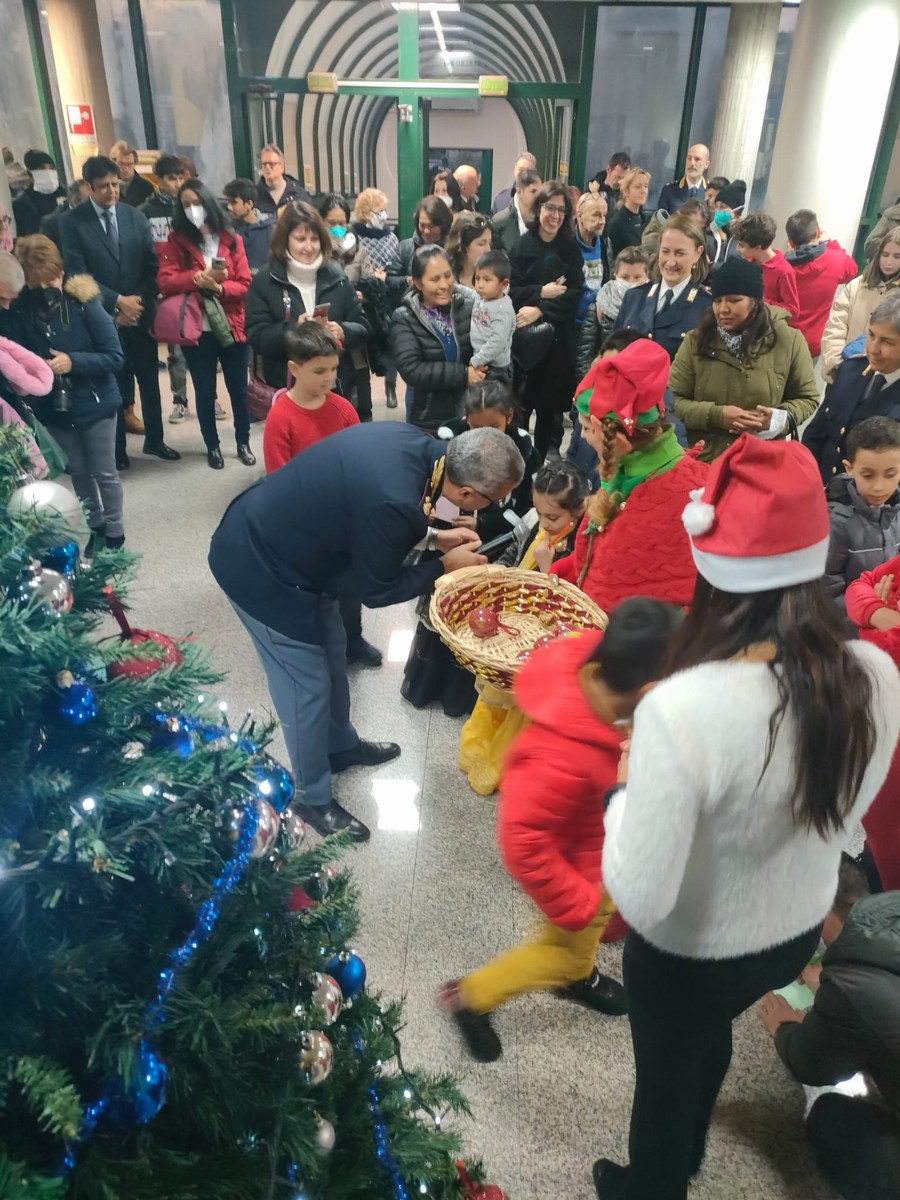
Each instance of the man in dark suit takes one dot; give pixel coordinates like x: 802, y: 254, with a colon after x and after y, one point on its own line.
x: 111, y: 241
x: 692, y: 184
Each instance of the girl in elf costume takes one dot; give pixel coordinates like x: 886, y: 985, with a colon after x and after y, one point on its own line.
x: 631, y: 541
x: 559, y: 494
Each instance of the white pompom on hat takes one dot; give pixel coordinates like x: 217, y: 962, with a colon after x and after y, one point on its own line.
x: 761, y: 521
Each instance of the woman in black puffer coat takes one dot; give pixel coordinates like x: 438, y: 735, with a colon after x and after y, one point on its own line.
x: 430, y: 341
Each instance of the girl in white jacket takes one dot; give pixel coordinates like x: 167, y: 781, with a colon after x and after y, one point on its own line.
x: 856, y: 301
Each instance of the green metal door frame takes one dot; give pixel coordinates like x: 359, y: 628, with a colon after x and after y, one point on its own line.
x: 690, y: 90
x: 142, y: 66
x: 42, y: 79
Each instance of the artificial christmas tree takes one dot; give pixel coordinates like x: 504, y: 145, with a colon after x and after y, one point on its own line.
x: 183, y: 1013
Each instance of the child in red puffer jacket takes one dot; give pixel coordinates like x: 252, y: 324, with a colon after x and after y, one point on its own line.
x: 579, y: 693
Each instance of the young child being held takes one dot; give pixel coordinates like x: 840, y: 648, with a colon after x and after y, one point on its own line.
x: 493, y: 316
x: 864, y: 504
x: 631, y: 269
x: 303, y: 414
x: 578, y: 692
x: 755, y: 234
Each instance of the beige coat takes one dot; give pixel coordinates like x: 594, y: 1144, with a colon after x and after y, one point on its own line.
x: 853, y: 305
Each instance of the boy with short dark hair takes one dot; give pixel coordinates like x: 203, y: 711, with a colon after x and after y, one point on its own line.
x: 253, y: 226
x: 820, y: 267
x: 493, y: 316
x: 754, y: 235
x: 864, y: 504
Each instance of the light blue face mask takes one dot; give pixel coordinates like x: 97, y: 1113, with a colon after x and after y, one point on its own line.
x: 722, y: 217
x: 339, y: 231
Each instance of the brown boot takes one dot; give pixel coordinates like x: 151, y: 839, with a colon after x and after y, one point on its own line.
x: 133, y: 423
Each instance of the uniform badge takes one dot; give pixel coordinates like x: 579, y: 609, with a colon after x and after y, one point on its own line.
x: 692, y: 295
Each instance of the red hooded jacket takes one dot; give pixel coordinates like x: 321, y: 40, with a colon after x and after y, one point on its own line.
x: 550, y: 816
x: 817, y: 281
x: 180, y: 260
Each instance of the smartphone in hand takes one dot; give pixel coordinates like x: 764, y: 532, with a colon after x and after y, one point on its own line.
x: 321, y: 311
x: 218, y: 263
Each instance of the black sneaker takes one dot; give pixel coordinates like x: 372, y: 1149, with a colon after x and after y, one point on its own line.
x: 477, y: 1031
x: 598, y: 992
x: 363, y: 652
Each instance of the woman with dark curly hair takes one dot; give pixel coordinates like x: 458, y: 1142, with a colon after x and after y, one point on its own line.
x: 469, y: 238
x: 445, y: 187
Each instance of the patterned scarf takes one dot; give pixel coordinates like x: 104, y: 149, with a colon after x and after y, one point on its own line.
x: 734, y: 342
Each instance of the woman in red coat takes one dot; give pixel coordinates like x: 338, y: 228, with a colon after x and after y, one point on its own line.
x: 203, y: 255
x: 631, y: 541
x: 576, y: 692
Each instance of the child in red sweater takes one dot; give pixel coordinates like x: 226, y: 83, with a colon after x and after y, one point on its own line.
x: 309, y: 410
x: 755, y: 234
x: 820, y: 267
x: 303, y: 414
x: 579, y: 693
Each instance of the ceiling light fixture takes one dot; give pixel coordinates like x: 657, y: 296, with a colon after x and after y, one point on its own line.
x: 432, y: 6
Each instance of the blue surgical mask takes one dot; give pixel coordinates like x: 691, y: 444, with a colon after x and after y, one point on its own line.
x: 722, y: 217
x: 338, y: 231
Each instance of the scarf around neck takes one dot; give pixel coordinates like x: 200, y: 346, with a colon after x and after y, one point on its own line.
x: 734, y: 342
x: 661, y: 455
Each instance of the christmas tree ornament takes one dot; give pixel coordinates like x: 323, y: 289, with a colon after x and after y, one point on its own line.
x: 174, y: 737
x: 137, y: 1099
x: 325, y: 1136
x: 324, y: 993
x: 275, y: 784
x: 299, y: 901
x: 266, y: 831
x: 46, y: 589
x: 78, y: 704
x: 316, y: 1056
x: 139, y: 668
x: 64, y: 559
x: 478, y: 1191
x: 349, y: 970
x: 321, y: 882
x: 44, y: 498
x: 294, y: 830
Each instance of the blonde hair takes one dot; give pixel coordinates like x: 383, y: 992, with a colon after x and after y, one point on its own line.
x: 370, y: 200
x: 630, y: 177
x: 40, y: 259
x: 120, y: 148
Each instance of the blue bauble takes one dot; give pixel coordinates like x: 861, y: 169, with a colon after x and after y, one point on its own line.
x: 137, y: 1100
x: 274, y: 784
x: 64, y: 558
x: 174, y: 737
x: 78, y: 704
x: 349, y: 971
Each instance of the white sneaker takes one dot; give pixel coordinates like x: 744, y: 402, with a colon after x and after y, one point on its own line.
x: 221, y: 414
x: 178, y: 413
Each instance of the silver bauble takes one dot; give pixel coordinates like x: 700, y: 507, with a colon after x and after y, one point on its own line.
x: 266, y: 831
x: 47, y: 499
x: 316, y: 1056
x: 324, y: 993
x: 325, y: 1136
x: 293, y: 830
x: 49, y: 590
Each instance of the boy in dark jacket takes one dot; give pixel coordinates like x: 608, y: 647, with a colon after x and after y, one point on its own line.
x: 864, y: 504
x: 578, y: 692
x: 820, y: 268
x: 253, y: 226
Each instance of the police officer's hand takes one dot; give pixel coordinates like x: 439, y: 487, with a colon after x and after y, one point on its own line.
x: 449, y: 539
x: 462, y: 556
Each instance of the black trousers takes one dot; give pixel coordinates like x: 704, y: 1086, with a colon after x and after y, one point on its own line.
x: 680, y: 1011
x: 142, y: 364
x: 857, y: 1146
x: 351, y: 615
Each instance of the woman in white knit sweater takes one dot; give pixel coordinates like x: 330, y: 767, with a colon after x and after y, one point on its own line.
x: 749, y: 766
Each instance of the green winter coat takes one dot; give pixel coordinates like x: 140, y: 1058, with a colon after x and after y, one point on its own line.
x: 780, y: 376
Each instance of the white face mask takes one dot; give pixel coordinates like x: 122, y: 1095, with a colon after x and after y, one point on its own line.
x: 378, y: 219
x: 447, y: 199
x: 45, y: 182
x: 196, y: 214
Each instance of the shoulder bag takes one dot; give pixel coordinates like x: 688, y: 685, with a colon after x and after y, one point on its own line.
x: 178, y: 320
x: 259, y: 393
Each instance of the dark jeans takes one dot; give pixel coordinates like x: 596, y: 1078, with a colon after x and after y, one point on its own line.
x: 857, y: 1146
x: 142, y: 364
x: 680, y: 1011
x: 201, y: 360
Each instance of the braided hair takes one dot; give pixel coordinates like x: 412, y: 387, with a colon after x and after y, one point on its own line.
x: 604, y: 504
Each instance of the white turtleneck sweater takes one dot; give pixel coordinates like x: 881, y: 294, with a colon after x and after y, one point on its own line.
x: 303, y: 277
x: 704, y: 858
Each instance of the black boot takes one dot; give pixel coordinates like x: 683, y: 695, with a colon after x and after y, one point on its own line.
x: 363, y: 652
x: 215, y: 459
x: 246, y: 455
x: 390, y: 392
x: 476, y: 1029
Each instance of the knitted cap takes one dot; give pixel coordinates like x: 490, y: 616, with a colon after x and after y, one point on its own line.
x: 737, y: 277
x: 628, y: 386
x: 734, y: 195
x: 761, y: 521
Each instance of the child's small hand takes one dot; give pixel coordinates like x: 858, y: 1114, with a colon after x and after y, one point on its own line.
x: 464, y: 522
x: 543, y: 556
x: 883, y: 589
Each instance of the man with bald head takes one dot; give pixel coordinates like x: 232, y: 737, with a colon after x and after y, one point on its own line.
x: 692, y: 184
x: 469, y: 182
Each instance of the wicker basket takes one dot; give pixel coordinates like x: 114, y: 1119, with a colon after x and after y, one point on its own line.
x: 527, y: 601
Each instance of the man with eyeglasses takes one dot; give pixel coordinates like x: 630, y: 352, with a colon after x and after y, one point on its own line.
x: 372, y: 489
x: 276, y: 187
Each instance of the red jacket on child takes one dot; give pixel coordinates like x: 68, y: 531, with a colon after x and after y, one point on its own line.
x: 180, y: 260
x: 780, y: 285
x: 550, y: 815
x: 818, y: 279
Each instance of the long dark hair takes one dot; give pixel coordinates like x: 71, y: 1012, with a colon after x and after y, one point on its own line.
x: 757, y: 335
x: 217, y: 220
x: 826, y: 688
x: 456, y: 200
x: 467, y: 226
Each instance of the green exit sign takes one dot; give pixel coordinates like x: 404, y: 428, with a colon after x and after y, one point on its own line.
x: 493, y: 85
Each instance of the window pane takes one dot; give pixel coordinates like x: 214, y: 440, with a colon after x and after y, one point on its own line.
x: 640, y: 75
x: 709, y: 76
x: 121, y: 72
x: 23, y: 124
x: 786, y: 28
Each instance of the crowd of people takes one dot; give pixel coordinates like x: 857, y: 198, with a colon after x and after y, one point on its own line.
x: 687, y: 779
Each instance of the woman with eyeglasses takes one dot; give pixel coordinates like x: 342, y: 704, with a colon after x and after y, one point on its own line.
x: 470, y: 237
x: 546, y: 286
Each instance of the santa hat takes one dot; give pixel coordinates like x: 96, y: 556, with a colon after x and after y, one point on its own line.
x: 761, y: 521
x: 627, y: 387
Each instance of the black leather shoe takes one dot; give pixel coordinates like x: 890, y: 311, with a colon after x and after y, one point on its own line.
x: 215, y: 459
x: 476, y: 1029
x: 123, y: 462
x: 598, y: 992
x: 363, y: 652
x: 364, y: 754
x: 161, y: 450
x: 609, y: 1179
x: 246, y: 455
x: 331, y: 818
